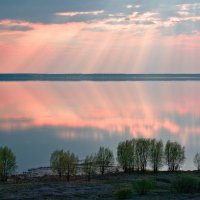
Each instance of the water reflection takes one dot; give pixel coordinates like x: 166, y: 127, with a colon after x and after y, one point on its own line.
x: 36, y: 118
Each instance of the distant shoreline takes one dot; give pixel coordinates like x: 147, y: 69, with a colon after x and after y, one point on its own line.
x: 98, y: 77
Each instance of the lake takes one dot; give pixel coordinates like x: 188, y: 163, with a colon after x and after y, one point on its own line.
x: 38, y: 117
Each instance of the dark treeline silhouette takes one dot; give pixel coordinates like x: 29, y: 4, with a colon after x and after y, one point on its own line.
x: 133, y: 155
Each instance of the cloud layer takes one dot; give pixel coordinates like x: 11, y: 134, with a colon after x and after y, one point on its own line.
x: 99, y: 36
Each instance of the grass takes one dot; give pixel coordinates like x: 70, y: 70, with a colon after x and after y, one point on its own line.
x: 124, y: 193
x: 144, y: 186
x: 186, y: 184
x: 122, y: 186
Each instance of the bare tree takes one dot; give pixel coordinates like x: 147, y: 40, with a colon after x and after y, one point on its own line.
x: 126, y: 155
x: 104, y: 159
x: 89, y: 166
x: 197, y: 161
x: 133, y: 155
x: 142, y: 153
x: 174, y: 155
x: 156, y: 154
x: 58, y: 162
x: 72, y: 161
x: 63, y: 163
x: 7, y: 163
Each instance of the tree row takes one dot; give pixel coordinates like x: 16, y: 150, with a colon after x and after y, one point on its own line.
x: 132, y: 155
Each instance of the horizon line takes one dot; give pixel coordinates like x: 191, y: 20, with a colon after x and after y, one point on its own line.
x: 99, y: 77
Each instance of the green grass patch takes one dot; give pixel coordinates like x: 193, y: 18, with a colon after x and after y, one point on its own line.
x: 144, y: 186
x: 124, y: 193
x: 186, y: 184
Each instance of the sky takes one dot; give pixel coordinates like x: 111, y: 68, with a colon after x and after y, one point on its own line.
x: 92, y: 36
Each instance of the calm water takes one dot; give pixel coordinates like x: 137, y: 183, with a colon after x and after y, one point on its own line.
x: 39, y: 117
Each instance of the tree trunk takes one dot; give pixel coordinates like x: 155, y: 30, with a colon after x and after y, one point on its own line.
x: 89, y: 177
x: 68, y: 176
x: 60, y: 174
x: 125, y: 169
x: 102, y: 170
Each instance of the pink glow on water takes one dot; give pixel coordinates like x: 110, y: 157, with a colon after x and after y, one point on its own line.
x: 145, y: 109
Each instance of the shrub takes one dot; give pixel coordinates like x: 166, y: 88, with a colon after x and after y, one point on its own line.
x: 186, y: 184
x: 144, y: 186
x: 124, y: 193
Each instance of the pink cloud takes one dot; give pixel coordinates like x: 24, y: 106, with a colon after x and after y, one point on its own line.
x: 97, y: 47
x: 71, y: 14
